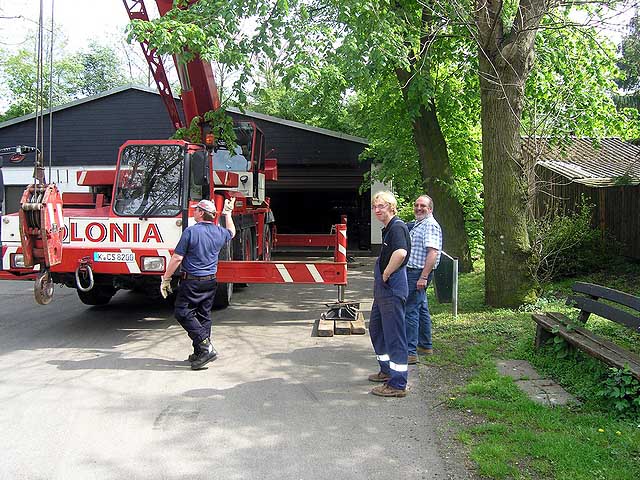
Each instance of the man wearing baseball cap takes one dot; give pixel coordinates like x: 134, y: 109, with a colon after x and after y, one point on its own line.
x: 197, y: 251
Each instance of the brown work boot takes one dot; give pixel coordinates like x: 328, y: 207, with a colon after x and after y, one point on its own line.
x: 412, y: 359
x: 385, y: 390
x: 425, y: 351
x: 379, y: 377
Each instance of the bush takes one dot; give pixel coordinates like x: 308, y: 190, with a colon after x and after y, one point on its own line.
x: 566, y: 245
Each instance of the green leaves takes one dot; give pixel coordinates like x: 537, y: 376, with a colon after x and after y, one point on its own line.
x: 629, y: 63
x: 90, y: 72
x: 569, y: 92
x: 623, y: 390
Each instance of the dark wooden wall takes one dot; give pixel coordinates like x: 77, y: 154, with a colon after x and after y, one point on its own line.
x: 616, y: 212
x: 91, y: 133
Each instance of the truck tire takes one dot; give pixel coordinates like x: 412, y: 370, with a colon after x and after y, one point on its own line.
x: 249, y: 242
x: 267, y: 243
x: 224, y: 291
x: 98, y: 295
x: 246, y: 250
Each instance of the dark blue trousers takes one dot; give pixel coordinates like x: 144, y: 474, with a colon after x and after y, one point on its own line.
x: 387, y: 326
x: 194, y: 301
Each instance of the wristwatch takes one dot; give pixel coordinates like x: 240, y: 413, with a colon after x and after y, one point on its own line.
x: 424, y: 278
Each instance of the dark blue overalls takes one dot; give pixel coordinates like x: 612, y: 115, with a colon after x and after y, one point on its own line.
x: 387, y: 326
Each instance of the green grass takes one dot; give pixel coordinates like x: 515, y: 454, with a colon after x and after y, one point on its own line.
x: 517, y: 438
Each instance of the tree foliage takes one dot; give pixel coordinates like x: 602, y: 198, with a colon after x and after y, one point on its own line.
x: 71, y: 76
x: 630, y: 61
x: 379, y: 68
x: 569, y: 92
x: 101, y: 70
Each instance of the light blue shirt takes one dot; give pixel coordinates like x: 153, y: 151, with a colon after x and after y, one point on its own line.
x: 425, y: 234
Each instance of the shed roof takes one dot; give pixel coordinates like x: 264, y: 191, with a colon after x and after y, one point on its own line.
x: 261, y: 116
x: 606, y: 163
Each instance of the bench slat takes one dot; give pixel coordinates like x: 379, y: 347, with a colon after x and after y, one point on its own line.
x: 604, y: 310
x: 597, y: 338
x: 608, y: 294
x: 595, y: 346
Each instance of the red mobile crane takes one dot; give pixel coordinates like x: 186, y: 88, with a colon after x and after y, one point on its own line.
x: 121, y: 234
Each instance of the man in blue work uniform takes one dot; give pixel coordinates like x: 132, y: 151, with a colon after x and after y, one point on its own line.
x: 387, y: 324
x: 426, y: 246
x: 197, y: 251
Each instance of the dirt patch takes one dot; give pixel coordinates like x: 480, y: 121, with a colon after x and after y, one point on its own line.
x: 437, y: 384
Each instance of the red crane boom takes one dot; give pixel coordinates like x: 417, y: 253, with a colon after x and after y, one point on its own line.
x: 199, y: 90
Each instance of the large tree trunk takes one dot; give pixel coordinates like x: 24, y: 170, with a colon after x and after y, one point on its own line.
x: 437, y: 179
x: 435, y: 168
x: 505, y: 62
x: 506, y: 241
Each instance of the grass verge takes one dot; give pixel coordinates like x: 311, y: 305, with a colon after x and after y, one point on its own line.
x: 515, y: 437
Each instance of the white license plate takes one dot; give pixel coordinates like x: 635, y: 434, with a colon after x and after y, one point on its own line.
x: 114, y: 257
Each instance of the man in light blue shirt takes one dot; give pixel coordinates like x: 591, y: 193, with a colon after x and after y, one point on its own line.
x: 426, y: 247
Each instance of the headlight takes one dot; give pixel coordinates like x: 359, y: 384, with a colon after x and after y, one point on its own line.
x: 153, y: 264
x: 17, y: 261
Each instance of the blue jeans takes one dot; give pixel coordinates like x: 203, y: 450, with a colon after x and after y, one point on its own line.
x: 417, y: 314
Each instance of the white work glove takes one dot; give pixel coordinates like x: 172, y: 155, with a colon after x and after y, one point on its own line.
x: 165, y: 287
x: 228, y: 205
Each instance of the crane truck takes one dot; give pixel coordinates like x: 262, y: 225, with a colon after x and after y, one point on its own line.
x: 121, y: 233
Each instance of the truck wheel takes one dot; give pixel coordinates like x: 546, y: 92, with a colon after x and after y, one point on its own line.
x: 267, y: 243
x: 224, y: 291
x: 249, y: 241
x: 247, y: 252
x: 98, y: 295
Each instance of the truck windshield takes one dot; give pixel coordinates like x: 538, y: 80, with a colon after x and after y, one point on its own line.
x: 149, y: 181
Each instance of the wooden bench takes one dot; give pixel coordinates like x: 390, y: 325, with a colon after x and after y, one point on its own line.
x: 588, y: 298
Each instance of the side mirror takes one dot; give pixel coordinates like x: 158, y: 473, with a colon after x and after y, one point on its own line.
x: 199, y: 167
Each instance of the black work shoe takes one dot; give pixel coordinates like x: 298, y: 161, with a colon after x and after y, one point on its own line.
x: 192, y: 357
x: 205, y: 355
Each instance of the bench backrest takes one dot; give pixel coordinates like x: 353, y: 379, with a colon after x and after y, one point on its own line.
x: 588, y: 303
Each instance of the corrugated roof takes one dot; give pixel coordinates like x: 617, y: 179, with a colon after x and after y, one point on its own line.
x: 260, y: 116
x: 609, y: 162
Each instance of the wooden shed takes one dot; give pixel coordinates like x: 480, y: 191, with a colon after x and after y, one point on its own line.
x: 606, y: 173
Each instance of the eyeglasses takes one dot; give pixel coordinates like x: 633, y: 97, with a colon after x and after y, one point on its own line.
x: 379, y: 206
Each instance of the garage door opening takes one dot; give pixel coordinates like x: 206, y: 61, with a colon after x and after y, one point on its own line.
x: 300, y: 212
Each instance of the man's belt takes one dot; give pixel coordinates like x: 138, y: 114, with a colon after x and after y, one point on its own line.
x: 188, y: 276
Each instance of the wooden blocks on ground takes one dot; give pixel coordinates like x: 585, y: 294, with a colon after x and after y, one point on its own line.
x: 341, y: 319
x: 357, y: 325
x: 325, y: 327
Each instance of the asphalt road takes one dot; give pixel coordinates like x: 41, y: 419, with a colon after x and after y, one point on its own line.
x: 106, y: 393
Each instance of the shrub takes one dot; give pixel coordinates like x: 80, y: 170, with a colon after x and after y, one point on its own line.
x: 565, y: 244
